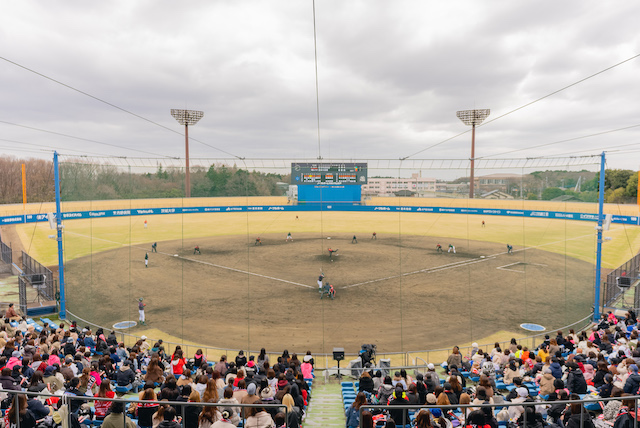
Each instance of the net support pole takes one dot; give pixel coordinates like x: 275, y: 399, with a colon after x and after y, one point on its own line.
x: 596, y: 303
x: 56, y: 176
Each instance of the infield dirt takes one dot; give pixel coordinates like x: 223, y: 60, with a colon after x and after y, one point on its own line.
x: 395, y: 291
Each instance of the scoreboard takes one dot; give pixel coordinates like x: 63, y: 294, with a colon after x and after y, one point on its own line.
x: 329, y: 173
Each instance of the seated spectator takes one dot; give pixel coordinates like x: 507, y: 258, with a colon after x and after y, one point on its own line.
x: 546, y: 382
x: 412, y: 394
x: 533, y: 418
x: 365, y: 382
x: 169, y: 419
x: 154, y: 373
x: 241, y: 392
x: 579, y: 417
x: 626, y: 415
x: 385, y: 390
x: 251, y: 396
x: 294, y: 412
x: 50, y: 378
x: 185, y: 378
x: 37, y: 384
x: 632, y: 384
x: 478, y: 419
x: 510, y: 372
x: 208, y: 417
x: 177, y: 363
x: 516, y: 411
x: 451, y: 395
x: 102, y: 407
x: 221, y: 366
x: 423, y: 419
x: 611, y: 409
x: 7, y: 381
x: 259, y: 418
x: 170, y: 390
x: 234, y: 412
x: 575, y: 379
x: 192, y: 412
x: 455, y: 358
x: 25, y: 417
x: 352, y: 413
x: 125, y: 377
x: 225, y: 422
x: 145, y: 411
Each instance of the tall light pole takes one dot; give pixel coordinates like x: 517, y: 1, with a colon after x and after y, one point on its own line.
x: 473, y: 118
x: 186, y: 118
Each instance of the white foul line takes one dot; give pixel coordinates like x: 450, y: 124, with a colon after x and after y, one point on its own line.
x: 427, y: 270
x: 203, y: 262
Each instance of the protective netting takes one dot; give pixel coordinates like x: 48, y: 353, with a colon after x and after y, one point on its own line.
x: 224, y: 272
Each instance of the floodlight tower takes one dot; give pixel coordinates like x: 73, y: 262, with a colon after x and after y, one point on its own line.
x: 473, y: 118
x: 186, y: 118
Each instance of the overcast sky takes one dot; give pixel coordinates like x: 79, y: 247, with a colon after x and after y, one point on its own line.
x: 391, y: 76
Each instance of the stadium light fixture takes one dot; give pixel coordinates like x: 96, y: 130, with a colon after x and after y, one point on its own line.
x: 472, y: 118
x: 186, y: 118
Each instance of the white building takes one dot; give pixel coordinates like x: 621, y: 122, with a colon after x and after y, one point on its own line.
x: 390, y: 186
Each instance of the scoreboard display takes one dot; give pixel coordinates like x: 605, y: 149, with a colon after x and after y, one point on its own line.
x: 329, y: 173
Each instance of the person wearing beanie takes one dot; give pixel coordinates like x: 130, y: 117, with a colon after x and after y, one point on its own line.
x: 50, y: 378
x: 453, y: 397
x: 431, y: 398
x: 251, y: 397
x: 632, y: 384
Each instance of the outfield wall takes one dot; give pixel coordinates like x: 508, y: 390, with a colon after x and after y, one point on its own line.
x: 169, y: 209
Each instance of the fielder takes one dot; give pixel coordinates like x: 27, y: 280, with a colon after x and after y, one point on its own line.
x: 439, y: 248
x: 197, y: 250
x: 451, y: 248
x: 509, y: 249
x: 154, y: 247
x: 146, y: 260
x: 141, y: 306
x: 289, y: 237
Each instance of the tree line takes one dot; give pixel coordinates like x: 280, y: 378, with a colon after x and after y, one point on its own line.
x: 620, y: 187
x: 91, y: 181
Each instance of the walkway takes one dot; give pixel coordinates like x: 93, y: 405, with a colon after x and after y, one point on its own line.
x: 325, y: 409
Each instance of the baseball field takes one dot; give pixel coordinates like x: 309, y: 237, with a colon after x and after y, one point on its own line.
x: 396, y: 291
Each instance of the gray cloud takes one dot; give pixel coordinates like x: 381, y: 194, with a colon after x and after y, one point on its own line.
x: 391, y: 76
